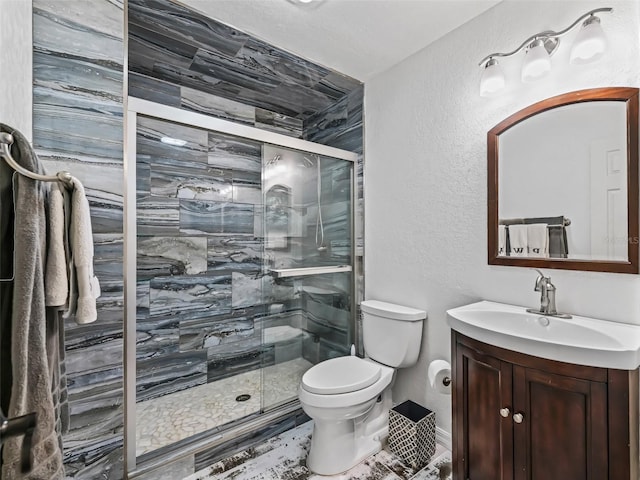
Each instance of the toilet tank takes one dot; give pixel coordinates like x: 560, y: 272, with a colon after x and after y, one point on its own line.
x: 392, y: 333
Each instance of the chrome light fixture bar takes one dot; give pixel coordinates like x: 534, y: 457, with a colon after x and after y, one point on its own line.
x: 588, y: 46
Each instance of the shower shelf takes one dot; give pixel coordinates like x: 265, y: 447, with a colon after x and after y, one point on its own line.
x: 301, y: 272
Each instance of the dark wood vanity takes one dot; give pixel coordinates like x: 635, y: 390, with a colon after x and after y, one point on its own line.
x: 519, y: 417
x: 523, y: 417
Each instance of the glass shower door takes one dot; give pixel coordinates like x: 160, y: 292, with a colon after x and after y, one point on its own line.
x: 238, y: 274
x: 308, y: 287
x: 198, y: 345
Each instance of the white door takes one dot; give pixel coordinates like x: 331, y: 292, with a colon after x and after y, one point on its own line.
x: 608, y: 200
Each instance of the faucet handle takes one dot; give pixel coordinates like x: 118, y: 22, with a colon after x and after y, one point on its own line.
x: 541, y: 278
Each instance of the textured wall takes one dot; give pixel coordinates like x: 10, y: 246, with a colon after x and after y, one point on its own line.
x: 15, y: 56
x: 426, y: 175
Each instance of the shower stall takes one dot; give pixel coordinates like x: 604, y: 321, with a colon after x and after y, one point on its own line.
x: 239, y: 274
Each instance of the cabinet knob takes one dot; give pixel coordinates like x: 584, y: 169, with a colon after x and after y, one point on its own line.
x: 518, y: 417
x: 504, y: 412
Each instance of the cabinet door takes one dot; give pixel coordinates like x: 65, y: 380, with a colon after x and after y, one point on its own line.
x: 483, y: 445
x: 563, y: 431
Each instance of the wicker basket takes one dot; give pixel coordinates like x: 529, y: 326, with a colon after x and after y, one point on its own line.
x: 412, y: 433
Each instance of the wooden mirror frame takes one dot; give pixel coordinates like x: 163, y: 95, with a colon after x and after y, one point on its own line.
x: 621, y: 94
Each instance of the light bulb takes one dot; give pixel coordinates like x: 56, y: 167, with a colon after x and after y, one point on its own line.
x: 492, y: 78
x: 590, y: 42
x: 536, y: 63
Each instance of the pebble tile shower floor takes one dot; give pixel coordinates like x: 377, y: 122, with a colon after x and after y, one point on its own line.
x: 169, y: 419
x: 283, y: 458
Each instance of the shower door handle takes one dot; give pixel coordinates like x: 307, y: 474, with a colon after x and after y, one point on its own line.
x: 305, y: 271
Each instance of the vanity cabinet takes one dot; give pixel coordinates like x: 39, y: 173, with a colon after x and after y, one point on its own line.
x: 518, y: 417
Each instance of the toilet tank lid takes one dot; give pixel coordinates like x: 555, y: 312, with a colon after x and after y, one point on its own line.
x: 391, y: 310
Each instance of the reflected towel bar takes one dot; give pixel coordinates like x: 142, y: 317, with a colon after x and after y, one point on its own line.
x: 305, y: 271
x: 520, y: 221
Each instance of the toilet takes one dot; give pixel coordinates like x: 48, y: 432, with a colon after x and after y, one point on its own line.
x: 348, y: 398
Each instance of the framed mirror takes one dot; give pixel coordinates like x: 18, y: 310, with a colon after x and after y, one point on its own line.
x: 563, y: 183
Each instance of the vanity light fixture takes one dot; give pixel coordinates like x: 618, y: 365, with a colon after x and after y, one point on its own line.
x: 537, y: 61
x: 589, y: 45
x: 492, y: 78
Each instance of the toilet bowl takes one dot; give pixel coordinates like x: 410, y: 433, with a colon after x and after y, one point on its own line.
x: 349, y: 398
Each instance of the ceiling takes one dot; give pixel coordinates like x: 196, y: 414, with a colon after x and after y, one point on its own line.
x: 359, y: 38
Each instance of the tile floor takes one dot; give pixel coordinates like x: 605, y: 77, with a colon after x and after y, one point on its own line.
x: 169, y: 419
x: 283, y: 458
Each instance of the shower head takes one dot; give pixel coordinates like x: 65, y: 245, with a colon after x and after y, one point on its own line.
x: 276, y: 158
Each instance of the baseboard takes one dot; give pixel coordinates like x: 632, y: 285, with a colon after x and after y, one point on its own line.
x: 443, y: 437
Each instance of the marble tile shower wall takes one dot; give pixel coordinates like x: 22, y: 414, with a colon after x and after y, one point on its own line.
x: 199, y: 258
x: 77, y: 117
x: 181, y: 58
x: 203, y: 300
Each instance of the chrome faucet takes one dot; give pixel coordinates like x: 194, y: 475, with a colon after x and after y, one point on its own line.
x: 547, y: 297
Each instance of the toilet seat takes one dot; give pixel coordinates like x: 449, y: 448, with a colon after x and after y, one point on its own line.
x: 341, y: 375
x: 349, y: 399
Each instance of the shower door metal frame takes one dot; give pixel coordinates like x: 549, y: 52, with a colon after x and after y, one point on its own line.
x: 135, y: 107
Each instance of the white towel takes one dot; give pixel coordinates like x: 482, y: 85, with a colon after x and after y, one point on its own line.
x: 57, y: 278
x: 502, y: 240
x: 81, y: 243
x: 518, y: 240
x: 538, y: 240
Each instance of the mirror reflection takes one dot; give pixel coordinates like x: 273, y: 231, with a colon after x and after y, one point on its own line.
x: 562, y: 183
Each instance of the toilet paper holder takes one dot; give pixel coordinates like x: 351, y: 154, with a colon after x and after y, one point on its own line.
x: 439, y: 375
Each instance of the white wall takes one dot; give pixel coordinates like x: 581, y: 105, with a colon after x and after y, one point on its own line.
x: 425, y: 175
x: 16, y: 65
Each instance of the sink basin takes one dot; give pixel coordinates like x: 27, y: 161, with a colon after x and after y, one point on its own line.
x: 579, y: 340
